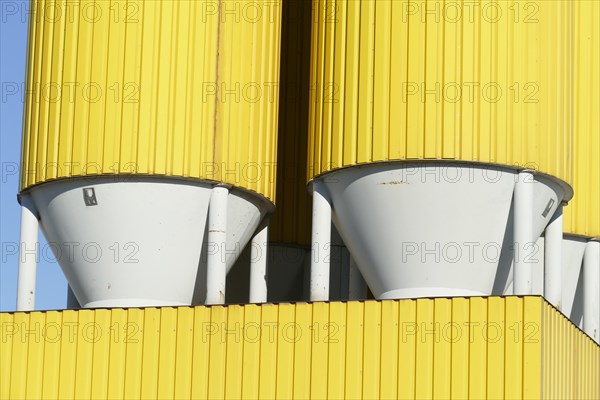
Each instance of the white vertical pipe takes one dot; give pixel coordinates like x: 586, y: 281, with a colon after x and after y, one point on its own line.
x: 357, y: 285
x: 28, y: 258
x: 523, y: 233
x: 216, y: 272
x: 258, y: 266
x: 591, y: 290
x: 321, y: 243
x: 553, y: 259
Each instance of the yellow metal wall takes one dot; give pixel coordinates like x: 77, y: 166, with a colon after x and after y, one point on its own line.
x: 292, y: 218
x: 461, y: 348
x: 571, y: 360
x: 180, y: 88
x: 482, y: 81
x: 582, y: 215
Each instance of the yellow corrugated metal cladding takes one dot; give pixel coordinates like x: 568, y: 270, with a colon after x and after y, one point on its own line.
x: 291, y: 221
x: 179, y: 88
x: 582, y: 216
x: 571, y: 359
x: 486, y: 81
x: 511, y: 347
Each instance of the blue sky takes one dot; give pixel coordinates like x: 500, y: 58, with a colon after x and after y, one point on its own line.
x: 51, y: 284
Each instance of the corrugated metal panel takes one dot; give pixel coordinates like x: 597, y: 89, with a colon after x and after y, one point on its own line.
x: 476, y: 347
x: 477, y: 81
x: 571, y: 359
x: 179, y: 88
x: 582, y: 216
x: 292, y: 218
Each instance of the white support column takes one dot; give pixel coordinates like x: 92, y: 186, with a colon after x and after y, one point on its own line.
x: 321, y: 243
x: 523, y: 233
x: 28, y: 259
x: 591, y: 290
x: 258, y: 266
x: 553, y: 259
x: 357, y: 285
x: 216, y: 272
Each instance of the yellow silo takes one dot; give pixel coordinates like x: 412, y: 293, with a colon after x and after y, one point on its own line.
x: 425, y: 119
x: 582, y: 215
x: 138, y: 116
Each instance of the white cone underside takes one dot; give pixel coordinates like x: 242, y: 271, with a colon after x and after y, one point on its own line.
x: 419, y: 230
x: 144, y: 243
x: 572, y: 274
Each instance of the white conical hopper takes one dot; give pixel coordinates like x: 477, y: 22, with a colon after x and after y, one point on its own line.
x: 572, y: 275
x: 139, y: 241
x: 537, y: 264
x: 433, y: 228
x: 573, y: 248
x: 122, y: 184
